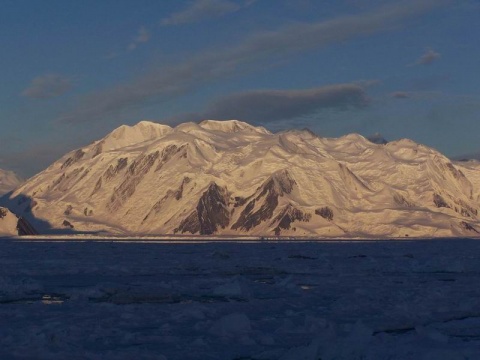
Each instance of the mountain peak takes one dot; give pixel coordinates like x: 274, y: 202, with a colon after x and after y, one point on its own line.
x: 126, y: 135
x: 230, y: 126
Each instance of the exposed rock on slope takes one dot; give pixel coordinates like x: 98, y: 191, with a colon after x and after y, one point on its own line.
x: 228, y: 177
x: 210, y: 215
x: 10, y: 225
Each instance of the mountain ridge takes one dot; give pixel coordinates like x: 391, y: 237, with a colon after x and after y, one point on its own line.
x: 232, y: 178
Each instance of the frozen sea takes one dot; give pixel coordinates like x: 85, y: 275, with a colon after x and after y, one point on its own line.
x: 240, y: 300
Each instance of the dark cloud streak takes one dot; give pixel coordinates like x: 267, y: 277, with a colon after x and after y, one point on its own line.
x: 48, y: 86
x: 201, y: 10
x: 276, y: 105
x: 400, y: 95
x: 214, y: 65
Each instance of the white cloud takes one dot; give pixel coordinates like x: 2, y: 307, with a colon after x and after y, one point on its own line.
x: 200, y: 10
x: 429, y: 57
x: 142, y: 36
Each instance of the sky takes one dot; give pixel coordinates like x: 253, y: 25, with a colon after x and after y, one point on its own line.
x: 72, y: 71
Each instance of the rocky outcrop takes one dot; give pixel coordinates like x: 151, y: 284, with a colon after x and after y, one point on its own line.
x: 136, y: 172
x: 167, y: 154
x: 211, y: 213
x: 457, y: 205
x: 263, y: 205
x: 24, y: 228
x: 287, y: 217
x: 77, y: 155
x: 11, y: 225
x: 113, y: 171
x: 325, y: 212
x: 468, y: 227
x: 439, y: 201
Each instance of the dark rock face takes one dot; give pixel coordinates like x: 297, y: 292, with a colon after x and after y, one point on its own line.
x: 67, y: 224
x: 277, y: 185
x: 287, y: 217
x: 325, y: 212
x: 468, y: 227
x: 25, y: 228
x: 439, y: 201
x: 210, y: 214
x: 457, y: 174
x: 179, y: 193
x: 68, y: 210
x: 167, y: 154
x: 67, y: 180
x: 112, y: 171
x: 239, y: 201
x: 464, y: 209
x: 458, y: 206
x: 135, y: 173
x: 98, y: 186
x: 73, y: 159
x: 283, y: 182
x: 190, y: 224
x: 58, y: 181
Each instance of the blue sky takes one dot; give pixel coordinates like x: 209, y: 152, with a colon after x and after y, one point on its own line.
x: 74, y: 70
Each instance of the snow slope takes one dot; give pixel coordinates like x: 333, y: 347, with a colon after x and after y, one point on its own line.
x: 229, y: 177
x: 8, y: 181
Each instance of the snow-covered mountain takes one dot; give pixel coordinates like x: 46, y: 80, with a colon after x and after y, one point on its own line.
x: 8, y: 181
x: 228, y: 177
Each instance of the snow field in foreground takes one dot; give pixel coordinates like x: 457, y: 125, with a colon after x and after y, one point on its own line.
x: 268, y: 300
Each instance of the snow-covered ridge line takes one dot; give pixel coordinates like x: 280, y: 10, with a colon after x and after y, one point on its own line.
x: 230, y: 178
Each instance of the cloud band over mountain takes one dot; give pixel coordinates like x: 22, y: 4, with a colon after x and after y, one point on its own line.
x: 274, y: 105
x: 206, y: 67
